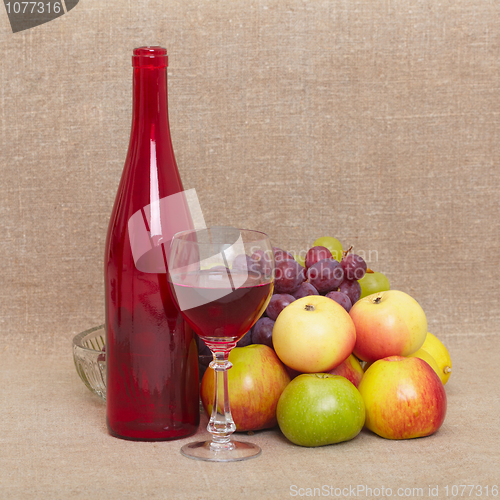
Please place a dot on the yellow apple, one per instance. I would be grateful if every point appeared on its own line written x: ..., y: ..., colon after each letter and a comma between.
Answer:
x: 404, y: 398
x: 313, y: 334
x: 389, y: 323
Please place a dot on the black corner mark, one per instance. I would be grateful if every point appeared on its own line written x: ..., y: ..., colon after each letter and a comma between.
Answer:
x: 70, y: 4
x: 25, y: 14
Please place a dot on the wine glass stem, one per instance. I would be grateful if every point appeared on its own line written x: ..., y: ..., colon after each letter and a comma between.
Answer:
x: 221, y: 424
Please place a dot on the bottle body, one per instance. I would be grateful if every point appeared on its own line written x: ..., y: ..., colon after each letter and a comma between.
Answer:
x: 152, y: 390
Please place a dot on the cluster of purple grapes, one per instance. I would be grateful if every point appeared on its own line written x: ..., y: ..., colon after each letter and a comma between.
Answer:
x: 322, y: 275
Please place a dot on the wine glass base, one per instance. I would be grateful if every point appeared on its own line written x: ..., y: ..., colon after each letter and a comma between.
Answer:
x: 202, y: 450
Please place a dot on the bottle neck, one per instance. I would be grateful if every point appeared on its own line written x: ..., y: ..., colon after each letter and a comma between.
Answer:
x: 150, y: 104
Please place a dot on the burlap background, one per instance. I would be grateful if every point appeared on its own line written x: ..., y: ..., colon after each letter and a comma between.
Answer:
x: 375, y: 121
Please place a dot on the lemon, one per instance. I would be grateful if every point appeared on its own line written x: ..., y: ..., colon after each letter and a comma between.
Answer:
x: 439, y: 352
x: 424, y: 355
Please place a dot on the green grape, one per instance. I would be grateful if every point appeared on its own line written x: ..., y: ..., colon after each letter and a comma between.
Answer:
x: 373, y: 282
x: 333, y: 244
x: 300, y: 259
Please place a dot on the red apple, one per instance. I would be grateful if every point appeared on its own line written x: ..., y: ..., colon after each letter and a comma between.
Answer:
x: 313, y: 334
x: 404, y: 398
x: 350, y: 369
x: 389, y: 323
x: 255, y: 382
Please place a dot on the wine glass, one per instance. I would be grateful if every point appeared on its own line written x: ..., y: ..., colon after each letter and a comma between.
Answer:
x: 221, y: 280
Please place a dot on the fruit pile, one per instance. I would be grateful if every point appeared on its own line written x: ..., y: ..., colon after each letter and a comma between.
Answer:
x: 325, y: 270
x: 337, y: 350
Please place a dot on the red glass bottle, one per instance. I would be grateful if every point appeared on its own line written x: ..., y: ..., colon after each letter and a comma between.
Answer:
x: 152, y: 390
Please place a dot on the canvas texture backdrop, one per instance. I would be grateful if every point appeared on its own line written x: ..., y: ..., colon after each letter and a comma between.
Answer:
x: 373, y: 121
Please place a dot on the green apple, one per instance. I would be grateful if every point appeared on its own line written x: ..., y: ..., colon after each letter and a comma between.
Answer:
x: 388, y: 323
x: 373, y: 282
x: 317, y: 409
x: 313, y: 334
x: 255, y: 383
x: 404, y: 398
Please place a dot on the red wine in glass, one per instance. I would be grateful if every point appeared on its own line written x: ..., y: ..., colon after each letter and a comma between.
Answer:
x: 225, y: 314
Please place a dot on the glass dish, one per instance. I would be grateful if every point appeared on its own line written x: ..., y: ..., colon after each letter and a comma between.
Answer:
x: 90, y: 359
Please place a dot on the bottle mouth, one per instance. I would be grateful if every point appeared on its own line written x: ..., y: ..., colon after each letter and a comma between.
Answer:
x: 150, y: 57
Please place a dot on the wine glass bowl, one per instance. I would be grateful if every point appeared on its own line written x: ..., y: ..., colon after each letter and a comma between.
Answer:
x: 221, y: 279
